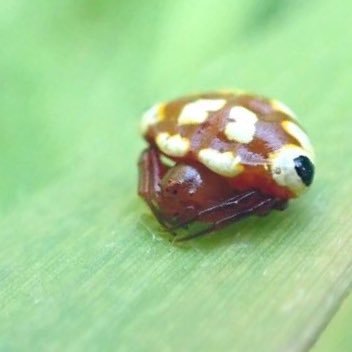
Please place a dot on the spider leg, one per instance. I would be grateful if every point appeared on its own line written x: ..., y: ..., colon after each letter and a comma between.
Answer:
x: 259, y: 208
x: 223, y: 205
x: 151, y: 170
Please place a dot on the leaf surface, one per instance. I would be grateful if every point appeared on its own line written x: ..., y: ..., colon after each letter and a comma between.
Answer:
x: 83, y: 264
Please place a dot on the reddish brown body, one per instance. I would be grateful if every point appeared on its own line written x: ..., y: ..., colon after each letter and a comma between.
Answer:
x: 232, y: 158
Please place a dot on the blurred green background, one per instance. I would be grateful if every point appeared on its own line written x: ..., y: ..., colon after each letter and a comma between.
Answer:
x: 82, y: 264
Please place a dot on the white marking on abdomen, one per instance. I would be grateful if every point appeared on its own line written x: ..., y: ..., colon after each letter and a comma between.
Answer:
x: 151, y: 117
x: 197, y: 112
x: 173, y: 145
x: 296, y: 132
x: 241, y: 127
x: 225, y: 164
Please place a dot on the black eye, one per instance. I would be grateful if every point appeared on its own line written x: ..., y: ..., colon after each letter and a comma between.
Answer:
x: 305, y: 169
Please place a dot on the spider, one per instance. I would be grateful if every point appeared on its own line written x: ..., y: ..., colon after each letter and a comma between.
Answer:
x: 217, y: 158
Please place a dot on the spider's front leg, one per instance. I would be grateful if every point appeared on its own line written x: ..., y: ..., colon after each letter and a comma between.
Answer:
x: 231, y: 210
x: 151, y: 171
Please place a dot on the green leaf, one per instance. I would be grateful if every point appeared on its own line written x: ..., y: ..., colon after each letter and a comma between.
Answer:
x: 83, y: 264
x: 337, y: 336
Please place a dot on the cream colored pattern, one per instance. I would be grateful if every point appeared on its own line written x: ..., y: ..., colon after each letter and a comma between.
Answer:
x: 197, y: 112
x: 241, y: 127
x: 283, y: 170
x: 172, y: 145
x: 225, y: 164
x: 279, y: 106
x: 296, y: 132
x: 151, y: 117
